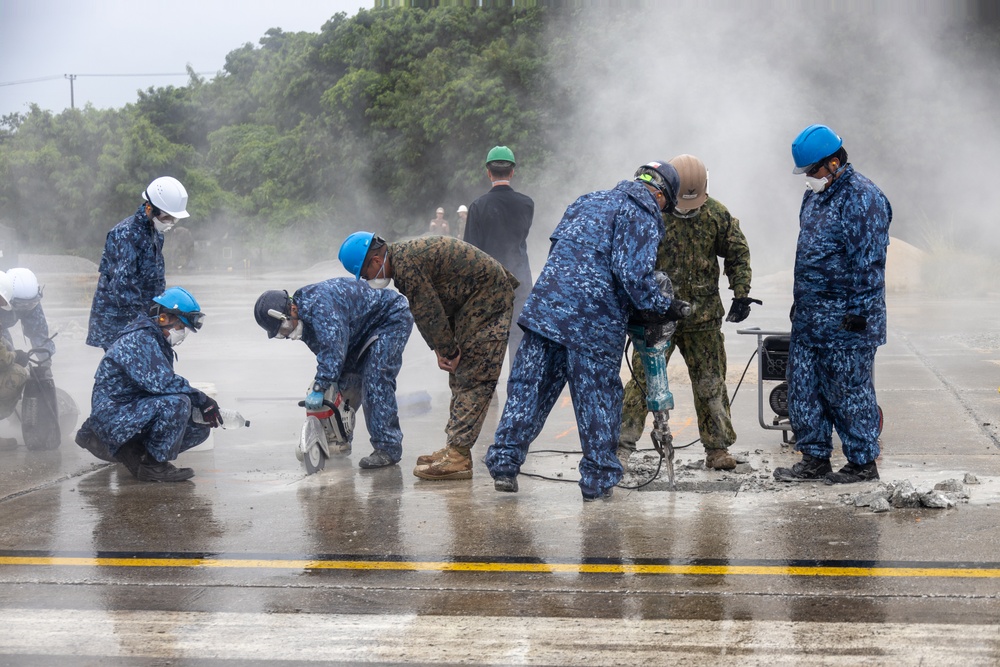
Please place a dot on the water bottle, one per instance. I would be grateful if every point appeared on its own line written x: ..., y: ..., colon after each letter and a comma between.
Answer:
x: 230, y: 418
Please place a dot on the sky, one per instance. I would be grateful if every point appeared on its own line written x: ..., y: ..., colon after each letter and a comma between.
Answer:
x: 51, y: 38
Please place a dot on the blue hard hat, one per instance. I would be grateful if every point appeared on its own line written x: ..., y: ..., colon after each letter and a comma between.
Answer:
x: 812, y: 145
x: 178, y: 301
x: 353, y: 251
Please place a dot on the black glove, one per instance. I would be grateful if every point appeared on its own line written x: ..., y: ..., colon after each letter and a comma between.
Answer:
x: 678, y: 310
x: 791, y: 313
x: 21, y: 358
x: 740, y: 310
x: 210, y: 412
x: 854, y: 323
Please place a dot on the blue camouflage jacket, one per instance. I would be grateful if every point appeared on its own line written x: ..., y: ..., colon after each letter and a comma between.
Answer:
x: 599, y: 269
x: 840, y: 263
x: 131, y: 274
x: 341, y: 316
x: 33, y: 325
x: 139, y: 364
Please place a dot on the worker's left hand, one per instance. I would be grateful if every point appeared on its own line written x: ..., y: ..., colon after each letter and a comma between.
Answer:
x: 21, y: 358
x: 740, y: 310
x: 446, y: 364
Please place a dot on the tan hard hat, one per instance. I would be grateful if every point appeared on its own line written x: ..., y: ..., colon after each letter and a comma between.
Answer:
x: 694, y: 182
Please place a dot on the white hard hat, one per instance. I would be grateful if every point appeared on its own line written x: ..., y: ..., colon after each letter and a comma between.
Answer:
x: 167, y: 194
x: 25, y: 283
x: 6, y: 290
x: 462, y: 209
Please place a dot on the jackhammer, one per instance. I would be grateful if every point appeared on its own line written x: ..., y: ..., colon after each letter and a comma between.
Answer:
x: 650, y: 333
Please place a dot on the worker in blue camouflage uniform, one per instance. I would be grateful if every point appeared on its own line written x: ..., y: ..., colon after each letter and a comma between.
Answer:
x: 838, y: 312
x: 357, y: 334
x: 131, y: 271
x: 142, y: 413
x: 461, y: 300
x: 599, y: 271
x: 698, y: 231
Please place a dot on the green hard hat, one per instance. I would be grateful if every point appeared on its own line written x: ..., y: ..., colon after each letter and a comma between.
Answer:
x: 500, y: 154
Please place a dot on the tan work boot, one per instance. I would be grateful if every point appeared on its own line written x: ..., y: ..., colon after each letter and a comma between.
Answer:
x: 453, y: 465
x: 719, y: 459
x: 427, y: 459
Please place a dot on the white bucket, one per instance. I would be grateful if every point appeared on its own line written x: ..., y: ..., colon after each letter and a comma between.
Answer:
x: 210, y: 391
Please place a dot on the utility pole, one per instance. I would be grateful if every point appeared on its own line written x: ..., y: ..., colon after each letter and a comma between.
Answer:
x: 72, y: 78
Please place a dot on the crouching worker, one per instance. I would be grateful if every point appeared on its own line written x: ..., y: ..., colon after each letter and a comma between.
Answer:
x: 357, y: 334
x: 142, y: 413
x: 13, y: 364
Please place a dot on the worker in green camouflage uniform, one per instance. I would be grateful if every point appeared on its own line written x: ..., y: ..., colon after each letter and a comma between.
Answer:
x: 462, y: 301
x: 699, y: 230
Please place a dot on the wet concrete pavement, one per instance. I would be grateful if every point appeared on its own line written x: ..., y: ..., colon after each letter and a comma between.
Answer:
x: 253, y: 561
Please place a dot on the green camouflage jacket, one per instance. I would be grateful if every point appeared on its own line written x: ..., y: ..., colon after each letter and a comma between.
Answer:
x: 689, y: 254
x: 457, y: 292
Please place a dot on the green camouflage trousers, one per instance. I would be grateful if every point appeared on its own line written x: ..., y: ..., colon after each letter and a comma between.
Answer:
x: 705, y: 356
x: 472, y: 386
x: 11, y: 385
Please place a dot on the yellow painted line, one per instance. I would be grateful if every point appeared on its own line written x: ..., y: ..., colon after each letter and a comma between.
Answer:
x: 485, y: 566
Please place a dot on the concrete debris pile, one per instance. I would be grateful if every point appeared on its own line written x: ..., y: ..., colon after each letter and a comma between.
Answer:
x: 901, y: 494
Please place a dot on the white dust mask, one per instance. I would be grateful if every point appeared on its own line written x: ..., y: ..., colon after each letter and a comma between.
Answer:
x: 163, y: 226
x: 817, y: 184
x: 176, y: 336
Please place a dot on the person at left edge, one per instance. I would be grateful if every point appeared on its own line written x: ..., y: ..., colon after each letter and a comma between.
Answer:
x: 357, y: 334
x: 143, y: 414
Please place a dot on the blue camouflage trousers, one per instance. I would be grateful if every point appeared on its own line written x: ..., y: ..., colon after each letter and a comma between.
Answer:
x: 371, y: 381
x: 163, y: 422
x: 833, y: 388
x: 540, y: 370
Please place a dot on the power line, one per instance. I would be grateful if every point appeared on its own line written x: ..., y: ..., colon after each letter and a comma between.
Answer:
x: 60, y: 76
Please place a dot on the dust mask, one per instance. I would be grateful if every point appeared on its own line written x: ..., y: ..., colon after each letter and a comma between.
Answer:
x: 296, y: 333
x: 176, y: 336
x: 162, y: 226
x: 817, y: 184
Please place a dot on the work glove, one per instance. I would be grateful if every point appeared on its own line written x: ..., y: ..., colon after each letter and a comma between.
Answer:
x: 854, y: 323
x: 678, y: 310
x: 314, y: 400
x: 791, y: 313
x: 21, y: 358
x: 210, y: 412
x: 740, y: 310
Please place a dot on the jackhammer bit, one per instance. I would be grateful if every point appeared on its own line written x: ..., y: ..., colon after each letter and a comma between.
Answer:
x: 663, y: 441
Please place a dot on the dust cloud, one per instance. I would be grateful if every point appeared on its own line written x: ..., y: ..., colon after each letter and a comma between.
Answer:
x: 904, y: 84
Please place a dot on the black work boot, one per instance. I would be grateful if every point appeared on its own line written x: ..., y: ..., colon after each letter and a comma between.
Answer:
x: 377, y: 459
x: 151, y: 470
x: 505, y: 483
x: 809, y: 469
x: 88, y: 440
x: 852, y: 473
x: 129, y: 454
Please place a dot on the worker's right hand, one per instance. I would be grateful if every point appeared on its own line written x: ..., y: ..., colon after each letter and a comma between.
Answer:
x: 314, y: 400
x: 21, y: 358
x: 210, y: 412
x: 678, y: 310
x: 449, y: 364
